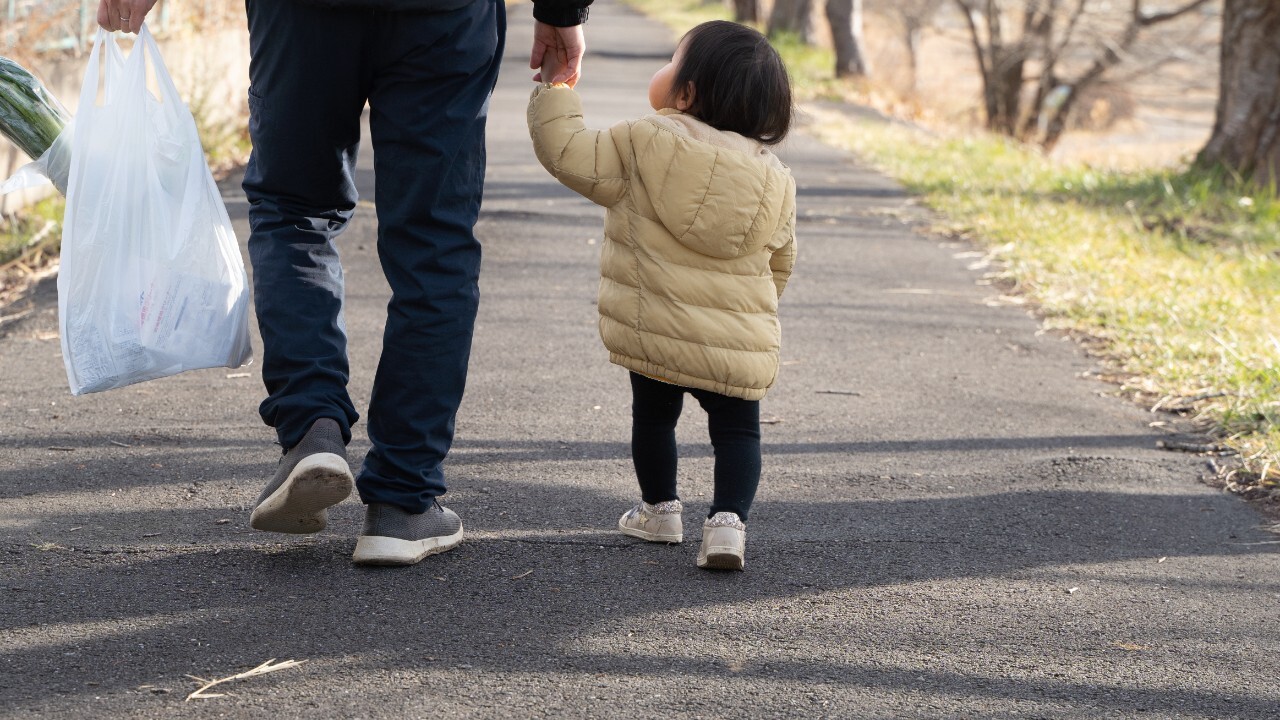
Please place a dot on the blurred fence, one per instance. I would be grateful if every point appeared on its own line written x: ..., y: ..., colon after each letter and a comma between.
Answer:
x: 29, y: 27
x: 34, y: 26
x: 51, y: 37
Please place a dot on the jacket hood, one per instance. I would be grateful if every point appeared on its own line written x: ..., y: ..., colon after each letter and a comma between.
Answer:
x: 718, y: 193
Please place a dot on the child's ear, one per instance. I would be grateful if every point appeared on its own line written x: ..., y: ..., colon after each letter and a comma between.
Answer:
x: 684, y: 100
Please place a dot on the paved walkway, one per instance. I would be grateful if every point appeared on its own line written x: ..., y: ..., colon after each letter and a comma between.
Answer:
x: 953, y: 522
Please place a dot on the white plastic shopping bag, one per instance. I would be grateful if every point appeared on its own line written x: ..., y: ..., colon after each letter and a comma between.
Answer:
x: 151, y: 280
x: 52, y: 166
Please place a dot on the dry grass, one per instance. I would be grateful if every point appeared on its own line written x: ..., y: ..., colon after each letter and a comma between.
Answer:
x: 269, y: 666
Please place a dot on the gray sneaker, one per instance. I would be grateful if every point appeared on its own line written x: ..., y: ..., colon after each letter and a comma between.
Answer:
x: 311, y: 476
x: 395, y: 536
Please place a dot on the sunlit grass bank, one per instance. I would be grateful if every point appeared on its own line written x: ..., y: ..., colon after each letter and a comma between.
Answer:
x: 1175, y: 273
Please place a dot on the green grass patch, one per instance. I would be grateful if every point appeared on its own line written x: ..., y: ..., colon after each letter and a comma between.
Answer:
x: 29, y: 232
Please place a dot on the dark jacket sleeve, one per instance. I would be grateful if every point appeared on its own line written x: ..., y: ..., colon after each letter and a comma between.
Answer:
x: 561, y: 13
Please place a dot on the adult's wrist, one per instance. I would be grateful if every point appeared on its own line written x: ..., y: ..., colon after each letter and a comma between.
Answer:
x: 559, y: 14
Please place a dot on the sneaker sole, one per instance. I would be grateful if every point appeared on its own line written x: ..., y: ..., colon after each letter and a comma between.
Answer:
x: 723, y: 548
x: 298, y: 506
x: 381, y: 550
x: 721, y: 559
x: 650, y: 537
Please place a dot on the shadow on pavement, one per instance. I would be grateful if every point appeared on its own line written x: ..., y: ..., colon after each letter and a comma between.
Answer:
x: 544, y: 574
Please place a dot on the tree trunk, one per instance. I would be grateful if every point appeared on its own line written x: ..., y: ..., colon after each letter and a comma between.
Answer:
x: 746, y: 11
x: 792, y: 16
x: 1001, y: 67
x: 1247, y: 123
x: 845, y: 19
x: 1006, y: 90
x: 912, y: 39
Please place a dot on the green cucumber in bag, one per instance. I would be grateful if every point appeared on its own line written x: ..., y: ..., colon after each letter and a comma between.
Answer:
x: 30, y: 115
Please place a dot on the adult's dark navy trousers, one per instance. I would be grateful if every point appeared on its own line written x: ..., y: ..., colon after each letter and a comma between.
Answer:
x: 427, y: 78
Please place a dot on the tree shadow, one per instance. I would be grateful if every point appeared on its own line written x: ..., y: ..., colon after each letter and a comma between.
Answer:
x: 544, y: 579
x: 205, y: 458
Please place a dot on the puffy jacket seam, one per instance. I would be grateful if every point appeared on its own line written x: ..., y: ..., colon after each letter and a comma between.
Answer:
x: 636, y: 273
x: 666, y: 173
x: 755, y: 219
x: 682, y: 303
x: 699, y: 343
x: 559, y: 163
x: 703, y: 270
x: 702, y: 202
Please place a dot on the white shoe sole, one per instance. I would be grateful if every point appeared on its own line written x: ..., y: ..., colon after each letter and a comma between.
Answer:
x: 722, y: 549
x: 298, y: 505
x: 380, y: 550
x: 651, y: 537
x: 721, y: 559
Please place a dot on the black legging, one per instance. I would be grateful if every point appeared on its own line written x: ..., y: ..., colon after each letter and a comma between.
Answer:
x: 734, y: 426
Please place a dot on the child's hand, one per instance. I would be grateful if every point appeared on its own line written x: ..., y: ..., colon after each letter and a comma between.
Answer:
x: 557, y: 53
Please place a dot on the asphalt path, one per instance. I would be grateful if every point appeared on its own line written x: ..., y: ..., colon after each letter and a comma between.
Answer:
x: 956, y: 520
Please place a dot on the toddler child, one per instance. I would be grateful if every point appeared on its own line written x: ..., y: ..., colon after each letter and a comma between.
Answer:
x: 699, y: 243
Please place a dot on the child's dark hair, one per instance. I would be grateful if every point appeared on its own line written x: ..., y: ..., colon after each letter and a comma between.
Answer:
x: 739, y: 81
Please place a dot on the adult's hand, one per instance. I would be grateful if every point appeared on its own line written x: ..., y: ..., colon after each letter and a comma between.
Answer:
x: 557, y: 53
x: 124, y: 15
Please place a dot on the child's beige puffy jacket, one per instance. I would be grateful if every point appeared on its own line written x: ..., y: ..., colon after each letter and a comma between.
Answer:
x: 699, y: 241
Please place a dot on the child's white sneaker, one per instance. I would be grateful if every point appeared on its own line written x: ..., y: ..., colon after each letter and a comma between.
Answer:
x: 724, y: 542
x: 655, y: 523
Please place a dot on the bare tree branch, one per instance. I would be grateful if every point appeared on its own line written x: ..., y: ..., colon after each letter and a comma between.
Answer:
x: 1056, y: 52
x: 1149, y: 20
x: 975, y: 36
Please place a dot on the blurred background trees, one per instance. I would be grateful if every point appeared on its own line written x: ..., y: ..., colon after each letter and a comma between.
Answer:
x: 1028, y: 92
x: 1042, y: 69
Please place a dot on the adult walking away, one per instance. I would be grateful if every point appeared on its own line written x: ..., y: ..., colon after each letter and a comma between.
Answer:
x: 426, y: 69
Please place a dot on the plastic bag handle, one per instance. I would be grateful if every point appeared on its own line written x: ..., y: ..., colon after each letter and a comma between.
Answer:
x: 152, y: 50
x: 116, y: 65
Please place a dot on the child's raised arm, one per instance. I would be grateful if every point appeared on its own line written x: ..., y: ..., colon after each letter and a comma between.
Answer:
x: 586, y: 161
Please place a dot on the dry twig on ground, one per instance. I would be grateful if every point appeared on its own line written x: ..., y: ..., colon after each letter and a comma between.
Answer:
x: 262, y: 669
